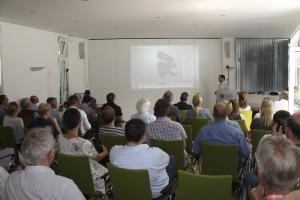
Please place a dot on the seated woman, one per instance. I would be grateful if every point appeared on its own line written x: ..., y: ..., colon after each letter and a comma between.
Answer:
x: 45, y: 120
x: 142, y: 107
x: 198, y: 111
x: 70, y: 143
x: 229, y: 109
x: 235, y: 113
x: 265, y: 117
x: 243, y: 101
x: 12, y: 120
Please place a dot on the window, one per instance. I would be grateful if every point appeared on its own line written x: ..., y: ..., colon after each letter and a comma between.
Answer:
x: 262, y: 64
x: 63, y: 67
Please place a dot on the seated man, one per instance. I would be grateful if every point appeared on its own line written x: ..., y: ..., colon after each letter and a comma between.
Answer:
x: 93, y: 103
x: 137, y: 155
x: 173, y: 111
x: 85, y: 106
x: 278, y: 162
x: 3, y: 104
x: 111, y: 97
x: 109, y: 118
x: 34, y: 102
x: 182, y: 105
x: 220, y: 132
x: 26, y: 109
x: 55, y: 113
x: 37, y: 180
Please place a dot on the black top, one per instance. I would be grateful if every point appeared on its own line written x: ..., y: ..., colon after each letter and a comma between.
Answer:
x: 93, y: 104
x: 40, y: 122
x: 258, y: 125
x: 183, y: 106
x: 174, y: 111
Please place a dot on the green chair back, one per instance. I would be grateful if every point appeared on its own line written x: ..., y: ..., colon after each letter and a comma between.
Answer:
x: 248, y: 117
x: 188, y: 141
x: 242, y: 125
x: 196, y: 124
x: 7, y: 138
x: 109, y: 140
x: 137, y: 188
x: 194, y: 187
x: 219, y: 159
x: 172, y: 148
x: 256, y: 136
x: 173, y: 118
x: 27, y: 122
x: 77, y: 168
x: 183, y: 114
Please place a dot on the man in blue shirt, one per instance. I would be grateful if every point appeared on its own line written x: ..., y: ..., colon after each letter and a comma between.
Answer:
x: 220, y: 132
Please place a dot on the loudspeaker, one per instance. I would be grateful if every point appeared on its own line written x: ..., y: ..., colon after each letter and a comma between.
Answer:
x: 227, y: 49
x: 81, y: 50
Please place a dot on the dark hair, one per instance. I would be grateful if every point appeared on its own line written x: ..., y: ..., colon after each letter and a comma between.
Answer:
x: 294, y: 126
x: 87, y: 92
x: 2, y: 97
x: 72, y: 99
x: 34, y: 99
x: 168, y: 95
x: 184, y: 96
x: 222, y: 76
x: 220, y: 111
x: 12, y: 108
x: 110, y: 97
x: 86, y: 99
x: 108, y: 114
x: 280, y: 118
x: 243, y: 102
x: 135, y: 129
x: 50, y: 99
x: 71, y: 118
x: 162, y: 108
x: 235, y: 109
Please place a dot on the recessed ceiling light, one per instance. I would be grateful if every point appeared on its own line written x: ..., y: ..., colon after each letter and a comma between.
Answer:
x: 32, y: 11
x: 222, y: 15
x: 115, y: 27
x: 157, y: 17
x: 75, y: 21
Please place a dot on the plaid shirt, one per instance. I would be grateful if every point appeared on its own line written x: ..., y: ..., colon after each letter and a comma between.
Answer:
x: 165, y: 129
x: 274, y: 197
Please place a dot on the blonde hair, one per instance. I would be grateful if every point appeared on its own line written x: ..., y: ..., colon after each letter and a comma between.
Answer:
x: 143, y: 105
x: 43, y: 108
x: 229, y: 107
x: 197, y: 101
x: 266, y: 111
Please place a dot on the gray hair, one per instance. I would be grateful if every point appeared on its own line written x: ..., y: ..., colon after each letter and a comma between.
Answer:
x: 143, y: 105
x: 279, y: 162
x: 168, y: 95
x: 37, y: 145
x: 24, y: 103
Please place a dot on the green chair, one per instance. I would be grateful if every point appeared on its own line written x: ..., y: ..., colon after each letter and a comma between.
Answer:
x: 109, y: 140
x: 256, y: 136
x: 219, y: 159
x: 196, y: 124
x: 242, y: 125
x: 194, y: 187
x: 183, y: 114
x: 188, y: 141
x: 7, y: 140
x: 174, y: 148
x: 138, y: 187
x: 248, y: 117
x: 77, y: 168
x: 27, y: 122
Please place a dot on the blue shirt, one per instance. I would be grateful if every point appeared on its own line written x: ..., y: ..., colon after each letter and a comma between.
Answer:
x: 204, y: 113
x: 220, y: 132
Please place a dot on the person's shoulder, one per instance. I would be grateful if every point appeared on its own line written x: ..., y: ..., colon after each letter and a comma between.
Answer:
x: 116, y: 149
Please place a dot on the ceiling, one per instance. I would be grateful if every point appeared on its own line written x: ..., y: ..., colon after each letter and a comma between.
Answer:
x: 100, y: 19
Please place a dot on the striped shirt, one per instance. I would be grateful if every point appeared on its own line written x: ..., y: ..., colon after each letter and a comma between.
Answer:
x: 112, y: 131
x: 3, y: 177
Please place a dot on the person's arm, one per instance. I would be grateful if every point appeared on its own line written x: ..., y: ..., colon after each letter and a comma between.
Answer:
x: 162, y: 159
x: 55, y: 125
x: 86, y: 123
x: 101, y: 155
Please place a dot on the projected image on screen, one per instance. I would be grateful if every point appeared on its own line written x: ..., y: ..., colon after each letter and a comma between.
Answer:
x: 163, y: 66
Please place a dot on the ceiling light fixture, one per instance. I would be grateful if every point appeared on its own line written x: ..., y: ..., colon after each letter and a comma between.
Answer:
x: 157, y: 17
x: 32, y: 11
x: 75, y: 21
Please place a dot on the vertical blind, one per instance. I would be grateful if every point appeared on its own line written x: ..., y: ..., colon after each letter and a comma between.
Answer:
x: 262, y: 64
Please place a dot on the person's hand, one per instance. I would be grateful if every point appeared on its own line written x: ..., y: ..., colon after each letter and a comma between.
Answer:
x: 104, y: 150
x: 258, y: 192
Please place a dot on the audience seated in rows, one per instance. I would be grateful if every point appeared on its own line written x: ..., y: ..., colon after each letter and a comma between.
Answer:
x: 70, y: 143
x: 282, y: 103
x: 164, y: 128
x: 44, y: 120
x: 26, y: 109
x: 243, y: 101
x: 221, y: 132
x: 198, y: 111
x: 109, y: 117
x: 12, y: 120
x: 3, y: 104
x: 278, y: 162
x: 263, y: 119
x: 84, y: 122
x: 55, y: 113
x: 182, y: 104
x: 110, y: 98
x: 137, y: 155
x: 142, y: 107
x: 34, y: 102
x: 85, y: 106
x: 38, y: 180
x: 93, y: 103
x: 174, y: 111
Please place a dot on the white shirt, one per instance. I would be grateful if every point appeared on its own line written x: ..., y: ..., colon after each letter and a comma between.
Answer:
x: 3, y: 177
x: 144, y: 157
x: 85, y: 124
x: 282, y: 104
x: 40, y: 183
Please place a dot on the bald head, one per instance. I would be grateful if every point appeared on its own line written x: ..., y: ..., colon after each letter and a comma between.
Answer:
x: 293, y: 124
x: 220, y: 111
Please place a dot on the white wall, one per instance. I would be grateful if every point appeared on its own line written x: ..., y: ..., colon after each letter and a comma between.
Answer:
x: 229, y: 61
x: 24, y: 47
x: 109, y: 70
